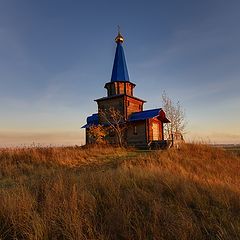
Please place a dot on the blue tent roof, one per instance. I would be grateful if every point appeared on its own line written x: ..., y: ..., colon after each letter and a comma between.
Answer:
x: 119, y: 72
x: 91, y: 120
x: 152, y: 113
x: 144, y: 114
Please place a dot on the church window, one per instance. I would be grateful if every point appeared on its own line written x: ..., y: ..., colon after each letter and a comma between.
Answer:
x: 135, y: 130
x: 112, y: 89
x: 118, y: 88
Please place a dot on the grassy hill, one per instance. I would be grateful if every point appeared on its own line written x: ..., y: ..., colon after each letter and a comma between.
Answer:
x: 110, y: 193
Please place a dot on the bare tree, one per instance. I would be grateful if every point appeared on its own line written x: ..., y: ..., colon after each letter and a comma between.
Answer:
x: 176, y: 116
x: 115, y: 121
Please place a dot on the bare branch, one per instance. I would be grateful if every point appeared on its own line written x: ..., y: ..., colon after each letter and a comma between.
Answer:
x: 116, y: 122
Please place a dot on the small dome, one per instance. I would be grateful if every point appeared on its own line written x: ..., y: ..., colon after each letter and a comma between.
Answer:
x: 119, y: 38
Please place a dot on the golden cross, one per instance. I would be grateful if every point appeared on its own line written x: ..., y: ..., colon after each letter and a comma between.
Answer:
x: 118, y: 28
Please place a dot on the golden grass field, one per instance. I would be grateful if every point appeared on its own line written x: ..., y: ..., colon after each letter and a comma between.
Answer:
x: 111, y: 193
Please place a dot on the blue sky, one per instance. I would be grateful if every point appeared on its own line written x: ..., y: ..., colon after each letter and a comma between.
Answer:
x: 56, y: 56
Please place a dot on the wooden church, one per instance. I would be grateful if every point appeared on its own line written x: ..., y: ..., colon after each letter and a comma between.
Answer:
x: 141, y: 127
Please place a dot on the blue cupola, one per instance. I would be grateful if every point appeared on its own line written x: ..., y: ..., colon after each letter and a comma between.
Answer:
x: 119, y: 72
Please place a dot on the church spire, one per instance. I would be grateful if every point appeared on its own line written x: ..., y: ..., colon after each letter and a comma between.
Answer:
x: 119, y: 72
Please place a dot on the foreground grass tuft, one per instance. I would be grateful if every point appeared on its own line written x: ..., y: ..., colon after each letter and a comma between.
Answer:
x: 110, y: 193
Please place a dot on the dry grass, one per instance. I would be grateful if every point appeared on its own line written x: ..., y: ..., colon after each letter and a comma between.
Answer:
x: 109, y: 193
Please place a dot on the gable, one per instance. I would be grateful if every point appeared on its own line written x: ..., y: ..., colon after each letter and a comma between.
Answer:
x: 152, y: 113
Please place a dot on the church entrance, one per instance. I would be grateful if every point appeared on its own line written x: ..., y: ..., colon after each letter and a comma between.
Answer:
x: 155, y: 128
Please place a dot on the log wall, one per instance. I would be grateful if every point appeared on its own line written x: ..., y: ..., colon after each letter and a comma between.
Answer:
x: 136, y: 133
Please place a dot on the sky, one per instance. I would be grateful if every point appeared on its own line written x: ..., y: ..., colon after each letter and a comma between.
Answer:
x: 57, y: 55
